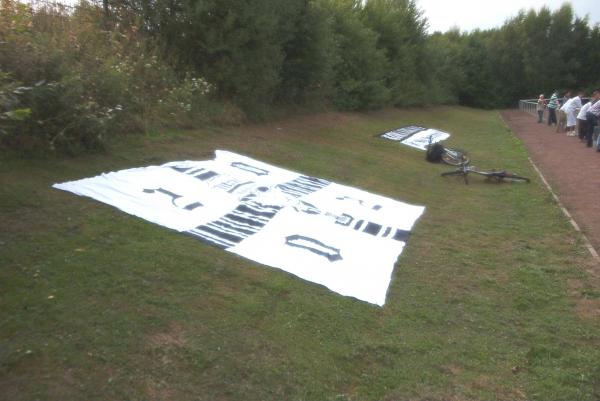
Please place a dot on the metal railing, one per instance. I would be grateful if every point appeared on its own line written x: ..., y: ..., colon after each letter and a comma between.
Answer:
x: 528, y: 106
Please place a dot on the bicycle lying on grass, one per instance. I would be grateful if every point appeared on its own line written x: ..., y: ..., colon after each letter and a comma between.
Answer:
x: 493, y: 175
x: 455, y: 157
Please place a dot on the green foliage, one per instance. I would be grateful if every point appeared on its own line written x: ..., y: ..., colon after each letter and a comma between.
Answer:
x: 360, y: 72
x: 18, y: 114
x: 445, y: 62
x: 85, y: 75
x: 259, y: 53
x: 10, y: 93
x: 186, y: 105
x: 80, y: 85
x: 532, y: 53
x: 480, y: 85
x: 307, y: 72
x: 401, y: 35
x: 236, y: 45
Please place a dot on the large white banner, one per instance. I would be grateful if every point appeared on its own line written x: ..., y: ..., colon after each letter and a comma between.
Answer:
x: 341, y: 237
x: 415, y: 136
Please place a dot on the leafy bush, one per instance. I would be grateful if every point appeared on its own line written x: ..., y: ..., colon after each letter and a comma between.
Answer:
x: 68, y: 85
x: 11, y: 110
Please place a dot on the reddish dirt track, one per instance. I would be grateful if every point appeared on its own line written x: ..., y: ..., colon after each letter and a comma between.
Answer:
x: 571, y: 168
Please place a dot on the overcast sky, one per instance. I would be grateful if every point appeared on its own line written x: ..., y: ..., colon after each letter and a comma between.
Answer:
x: 483, y: 14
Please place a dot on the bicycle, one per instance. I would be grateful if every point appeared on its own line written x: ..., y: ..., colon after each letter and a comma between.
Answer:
x: 495, y: 175
x: 451, y: 156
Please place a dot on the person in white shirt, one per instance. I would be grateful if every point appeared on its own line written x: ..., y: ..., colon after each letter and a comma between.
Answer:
x: 570, y: 109
x: 582, y: 120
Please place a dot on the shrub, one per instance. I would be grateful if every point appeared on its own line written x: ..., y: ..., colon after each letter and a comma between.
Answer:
x: 68, y: 85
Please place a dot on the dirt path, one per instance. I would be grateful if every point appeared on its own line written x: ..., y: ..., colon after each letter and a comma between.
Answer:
x: 572, y: 169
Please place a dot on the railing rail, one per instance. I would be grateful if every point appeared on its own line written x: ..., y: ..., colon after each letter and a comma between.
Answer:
x: 530, y: 105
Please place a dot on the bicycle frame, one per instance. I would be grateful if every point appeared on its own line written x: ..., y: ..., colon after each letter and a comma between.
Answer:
x: 464, y: 169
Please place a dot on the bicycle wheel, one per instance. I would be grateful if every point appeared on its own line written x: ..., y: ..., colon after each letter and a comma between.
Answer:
x: 464, y: 172
x: 501, y: 176
x: 455, y: 157
x: 513, y: 177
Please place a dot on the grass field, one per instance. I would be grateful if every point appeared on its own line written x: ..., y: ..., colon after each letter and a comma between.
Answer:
x: 492, y: 299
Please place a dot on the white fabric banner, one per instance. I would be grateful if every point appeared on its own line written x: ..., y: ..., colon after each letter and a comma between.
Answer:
x: 341, y: 237
x: 415, y: 136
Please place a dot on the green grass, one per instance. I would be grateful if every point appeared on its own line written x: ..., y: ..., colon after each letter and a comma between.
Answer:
x: 492, y: 298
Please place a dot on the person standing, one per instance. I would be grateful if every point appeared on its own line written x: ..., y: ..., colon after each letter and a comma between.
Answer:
x: 541, y: 105
x: 562, y: 115
x: 552, y: 104
x: 592, y: 116
x: 582, y: 120
x: 570, y: 109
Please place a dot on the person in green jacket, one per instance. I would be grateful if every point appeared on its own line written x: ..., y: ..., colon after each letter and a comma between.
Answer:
x: 552, y: 105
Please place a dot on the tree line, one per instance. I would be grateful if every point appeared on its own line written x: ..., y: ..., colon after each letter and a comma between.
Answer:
x: 71, y: 79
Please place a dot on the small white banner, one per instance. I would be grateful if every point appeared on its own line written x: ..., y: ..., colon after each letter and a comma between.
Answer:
x: 341, y: 237
x: 415, y: 136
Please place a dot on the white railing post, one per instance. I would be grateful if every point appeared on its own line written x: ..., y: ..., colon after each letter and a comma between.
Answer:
x: 528, y: 106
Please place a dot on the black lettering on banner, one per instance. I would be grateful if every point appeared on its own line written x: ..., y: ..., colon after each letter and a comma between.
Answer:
x: 250, y: 169
x: 302, y: 186
x: 308, y: 208
x: 233, y: 185
x: 200, y: 173
x: 206, y: 176
x: 240, y: 185
x: 374, y: 229
x: 193, y: 206
x: 403, y: 133
x: 173, y: 197
x: 358, y: 224
x: 305, y: 207
x: 360, y: 202
x: 344, y: 219
x: 367, y: 227
x: 315, y: 246
x: 401, y: 235
x: 180, y: 169
x: 425, y: 140
x: 246, y: 219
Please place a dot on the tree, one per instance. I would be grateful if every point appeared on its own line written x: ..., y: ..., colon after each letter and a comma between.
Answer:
x: 447, y: 71
x: 401, y: 36
x: 307, y: 71
x: 359, y: 74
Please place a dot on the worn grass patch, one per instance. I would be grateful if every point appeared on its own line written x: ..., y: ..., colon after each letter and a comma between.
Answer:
x: 492, y: 298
